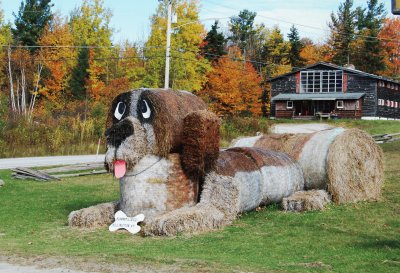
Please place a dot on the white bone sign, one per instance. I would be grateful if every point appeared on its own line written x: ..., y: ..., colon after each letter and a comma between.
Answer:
x: 125, y: 222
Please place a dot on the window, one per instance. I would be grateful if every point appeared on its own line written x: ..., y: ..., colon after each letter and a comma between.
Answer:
x: 396, y: 104
x: 387, y: 102
x: 321, y: 81
x: 357, y: 104
x: 391, y: 103
x: 339, y: 104
x: 289, y: 104
x: 381, y: 102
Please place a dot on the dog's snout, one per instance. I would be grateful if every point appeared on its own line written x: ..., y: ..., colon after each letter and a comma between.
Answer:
x: 117, y: 133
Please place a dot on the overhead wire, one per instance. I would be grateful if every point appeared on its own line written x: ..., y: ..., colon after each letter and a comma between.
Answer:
x: 308, y: 26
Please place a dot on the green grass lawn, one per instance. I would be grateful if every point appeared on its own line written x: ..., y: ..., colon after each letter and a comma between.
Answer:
x: 362, y: 237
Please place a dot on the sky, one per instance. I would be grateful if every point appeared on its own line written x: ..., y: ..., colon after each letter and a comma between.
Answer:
x: 131, y: 18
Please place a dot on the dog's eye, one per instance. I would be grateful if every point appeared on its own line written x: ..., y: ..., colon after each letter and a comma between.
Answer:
x: 119, y: 110
x: 145, y: 109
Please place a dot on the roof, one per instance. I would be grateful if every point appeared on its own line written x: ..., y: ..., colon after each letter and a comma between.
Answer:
x: 334, y: 66
x: 319, y: 96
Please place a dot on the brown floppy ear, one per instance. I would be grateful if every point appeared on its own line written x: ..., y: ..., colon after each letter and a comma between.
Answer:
x: 200, y: 143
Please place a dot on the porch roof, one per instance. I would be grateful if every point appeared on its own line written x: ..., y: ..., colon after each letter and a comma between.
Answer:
x: 319, y: 96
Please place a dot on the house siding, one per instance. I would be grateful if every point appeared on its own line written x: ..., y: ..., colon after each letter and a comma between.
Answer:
x: 353, y: 82
x: 282, y: 85
x: 360, y: 84
x: 386, y: 93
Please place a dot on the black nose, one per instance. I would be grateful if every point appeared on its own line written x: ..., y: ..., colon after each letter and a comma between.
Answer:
x: 119, y: 132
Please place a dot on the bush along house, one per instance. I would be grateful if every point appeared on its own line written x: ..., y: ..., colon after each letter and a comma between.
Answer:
x: 328, y: 90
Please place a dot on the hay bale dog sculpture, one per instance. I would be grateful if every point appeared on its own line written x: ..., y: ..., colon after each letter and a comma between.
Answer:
x: 164, y: 145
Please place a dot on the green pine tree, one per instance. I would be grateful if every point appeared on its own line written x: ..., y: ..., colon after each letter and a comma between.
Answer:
x: 370, y: 52
x: 214, y: 44
x: 242, y: 29
x: 295, y: 47
x: 80, y: 75
x: 33, y: 15
x: 342, y: 27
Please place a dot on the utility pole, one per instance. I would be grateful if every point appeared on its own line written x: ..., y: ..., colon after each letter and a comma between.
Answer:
x: 168, y: 47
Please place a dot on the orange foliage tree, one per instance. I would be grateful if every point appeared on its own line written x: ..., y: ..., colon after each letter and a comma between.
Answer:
x: 390, y: 39
x: 312, y: 54
x: 233, y: 88
x: 58, y: 57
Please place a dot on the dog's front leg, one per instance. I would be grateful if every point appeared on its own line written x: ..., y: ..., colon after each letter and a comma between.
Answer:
x: 219, y: 206
x: 94, y: 216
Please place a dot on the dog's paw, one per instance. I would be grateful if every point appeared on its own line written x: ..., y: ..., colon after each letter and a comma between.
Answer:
x: 95, y: 216
x: 186, y: 220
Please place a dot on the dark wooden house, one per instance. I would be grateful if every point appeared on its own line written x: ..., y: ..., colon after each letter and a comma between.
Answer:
x: 328, y: 90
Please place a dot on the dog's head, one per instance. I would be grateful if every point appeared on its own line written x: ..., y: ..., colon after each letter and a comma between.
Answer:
x: 149, y: 121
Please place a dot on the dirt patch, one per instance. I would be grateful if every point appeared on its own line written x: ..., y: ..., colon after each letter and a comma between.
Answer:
x: 46, y: 264
x: 299, y: 128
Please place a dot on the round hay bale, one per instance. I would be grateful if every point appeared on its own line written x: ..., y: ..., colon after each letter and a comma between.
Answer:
x: 354, y: 167
x: 347, y: 163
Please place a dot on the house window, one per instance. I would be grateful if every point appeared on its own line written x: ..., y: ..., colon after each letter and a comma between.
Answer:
x: 396, y: 104
x: 381, y: 102
x: 321, y: 81
x: 339, y: 104
x: 391, y: 103
x: 289, y: 104
x: 387, y: 102
x: 357, y: 104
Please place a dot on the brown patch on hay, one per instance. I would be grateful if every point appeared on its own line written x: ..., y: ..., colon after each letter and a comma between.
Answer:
x: 219, y: 206
x: 94, y: 216
x: 306, y: 201
x: 181, y: 190
x: 200, y: 141
x: 292, y: 144
x: 170, y: 108
x: 354, y: 167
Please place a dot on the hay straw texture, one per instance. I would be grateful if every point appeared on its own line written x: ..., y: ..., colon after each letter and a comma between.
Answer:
x: 306, y: 201
x: 94, y: 216
x: 170, y: 108
x: 347, y: 163
x: 355, y: 166
x: 200, y: 142
x: 244, y: 178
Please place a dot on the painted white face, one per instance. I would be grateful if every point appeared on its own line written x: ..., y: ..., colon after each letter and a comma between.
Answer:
x: 131, y: 134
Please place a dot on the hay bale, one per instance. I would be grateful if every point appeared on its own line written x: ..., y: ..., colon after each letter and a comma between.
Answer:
x: 200, y: 141
x: 94, y: 216
x: 306, y: 201
x: 347, y: 163
x: 355, y: 167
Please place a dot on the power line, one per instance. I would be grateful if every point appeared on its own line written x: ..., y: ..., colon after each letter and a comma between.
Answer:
x: 312, y: 27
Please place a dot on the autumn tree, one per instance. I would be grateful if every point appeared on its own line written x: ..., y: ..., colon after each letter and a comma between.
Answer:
x: 58, y: 57
x: 390, y: 39
x: 33, y: 16
x: 188, y: 69
x: 213, y: 46
x: 5, y: 39
x: 90, y: 26
x: 312, y: 53
x: 131, y: 65
x: 233, y: 88
x: 276, y: 53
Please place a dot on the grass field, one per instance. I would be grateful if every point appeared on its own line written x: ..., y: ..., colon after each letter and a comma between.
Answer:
x: 362, y: 237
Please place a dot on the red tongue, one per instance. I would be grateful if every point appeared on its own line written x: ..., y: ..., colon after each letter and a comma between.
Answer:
x: 119, y: 168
